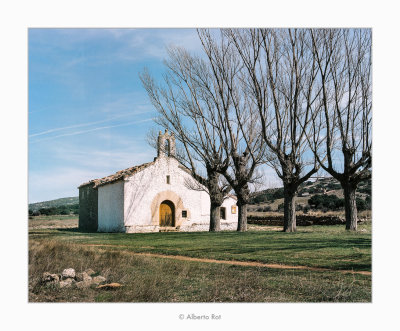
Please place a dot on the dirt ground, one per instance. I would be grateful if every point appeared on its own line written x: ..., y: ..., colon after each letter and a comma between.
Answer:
x: 49, y: 223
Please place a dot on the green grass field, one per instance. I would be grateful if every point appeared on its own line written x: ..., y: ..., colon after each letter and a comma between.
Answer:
x: 152, y: 279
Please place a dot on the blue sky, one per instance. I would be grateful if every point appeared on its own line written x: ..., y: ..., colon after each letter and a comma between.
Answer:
x: 88, y: 112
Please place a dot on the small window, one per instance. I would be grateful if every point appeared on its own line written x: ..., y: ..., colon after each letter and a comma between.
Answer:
x: 223, y: 213
x: 166, y: 147
x: 168, y: 180
x: 184, y: 213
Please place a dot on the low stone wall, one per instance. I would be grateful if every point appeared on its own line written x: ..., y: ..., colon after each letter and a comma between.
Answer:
x: 190, y: 227
x: 301, y: 220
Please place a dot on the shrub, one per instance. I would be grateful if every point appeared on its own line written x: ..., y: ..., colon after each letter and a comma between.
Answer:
x: 61, y: 210
x: 258, y: 199
x: 366, y: 190
x: 333, y: 186
x: 267, y: 208
x: 278, y: 194
x: 361, y: 204
x: 269, y: 195
x: 368, y: 201
x: 321, y: 201
x: 281, y: 207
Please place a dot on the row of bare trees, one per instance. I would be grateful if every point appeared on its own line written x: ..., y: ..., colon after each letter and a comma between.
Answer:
x: 295, y: 99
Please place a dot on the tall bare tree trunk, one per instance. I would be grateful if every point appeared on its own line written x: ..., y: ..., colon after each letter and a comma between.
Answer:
x: 350, y: 206
x: 216, y: 199
x: 289, y: 223
x: 215, y: 217
x: 345, y: 74
x: 242, y: 220
x: 242, y: 194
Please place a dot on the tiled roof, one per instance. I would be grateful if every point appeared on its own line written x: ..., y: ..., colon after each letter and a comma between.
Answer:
x: 119, y: 175
x: 232, y: 196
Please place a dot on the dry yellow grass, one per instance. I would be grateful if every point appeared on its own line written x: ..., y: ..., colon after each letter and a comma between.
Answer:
x: 152, y: 279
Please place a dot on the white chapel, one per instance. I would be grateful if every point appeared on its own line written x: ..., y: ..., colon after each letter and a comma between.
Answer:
x: 151, y: 197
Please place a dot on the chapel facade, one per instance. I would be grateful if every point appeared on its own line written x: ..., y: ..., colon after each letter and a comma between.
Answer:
x: 152, y: 197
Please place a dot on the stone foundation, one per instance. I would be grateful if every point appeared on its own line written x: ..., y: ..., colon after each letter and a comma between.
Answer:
x: 189, y: 227
x: 142, y: 228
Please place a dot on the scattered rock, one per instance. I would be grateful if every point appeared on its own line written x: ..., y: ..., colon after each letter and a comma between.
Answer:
x: 83, y: 284
x: 68, y: 273
x: 80, y: 280
x: 67, y: 283
x: 82, y: 276
x: 98, y: 279
x: 90, y: 271
x: 50, y: 278
x: 110, y: 286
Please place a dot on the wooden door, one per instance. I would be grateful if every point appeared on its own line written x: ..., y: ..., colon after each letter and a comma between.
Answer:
x: 166, y: 214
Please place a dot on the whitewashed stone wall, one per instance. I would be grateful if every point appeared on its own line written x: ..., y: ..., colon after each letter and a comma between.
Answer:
x: 142, y: 189
x: 230, y: 223
x: 132, y: 205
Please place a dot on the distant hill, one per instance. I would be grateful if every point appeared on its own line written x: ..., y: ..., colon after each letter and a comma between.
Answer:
x: 272, y: 199
x: 54, y: 203
x: 269, y: 198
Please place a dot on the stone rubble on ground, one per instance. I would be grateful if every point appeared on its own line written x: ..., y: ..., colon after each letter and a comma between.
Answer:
x: 69, y: 278
x: 83, y: 284
x: 98, y: 279
x: 68, y: 273
x: 67, y: 282
x: 82, y: 276
x: 50, y: 278
x: 90, y: 271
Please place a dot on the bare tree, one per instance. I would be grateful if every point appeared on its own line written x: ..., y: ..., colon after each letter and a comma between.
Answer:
x: 185, y: 109
x: 233, y: 117
x: 343, y: 148
x: 279, y: 76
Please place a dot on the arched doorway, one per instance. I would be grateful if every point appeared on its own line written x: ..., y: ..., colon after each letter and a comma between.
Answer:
x: 167, y: 213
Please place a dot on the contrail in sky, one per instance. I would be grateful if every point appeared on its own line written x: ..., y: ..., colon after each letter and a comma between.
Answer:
x: 79, y: 125
x: 95, y: 129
